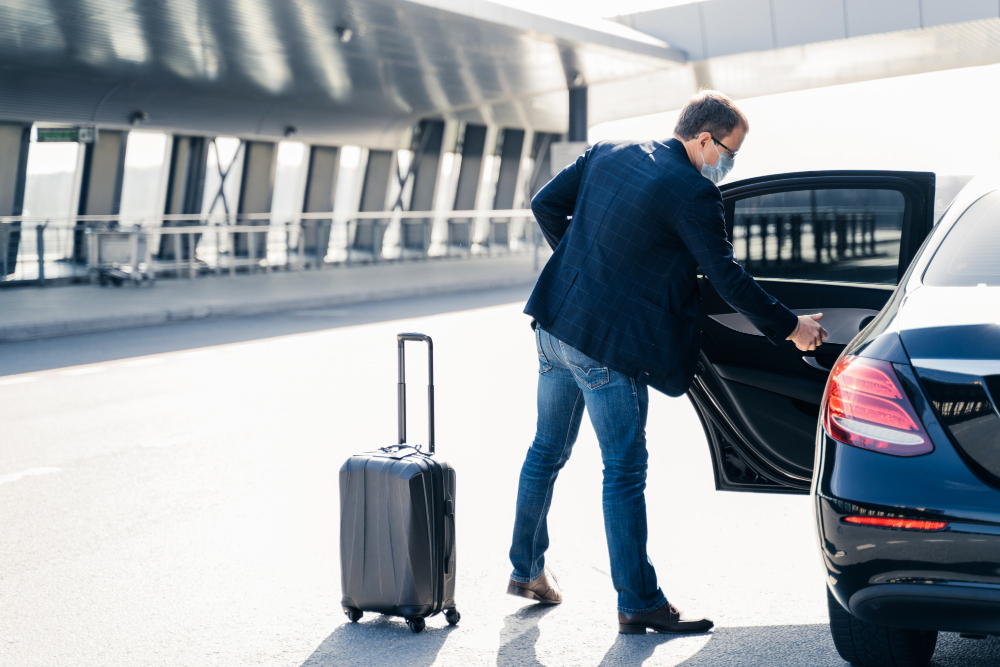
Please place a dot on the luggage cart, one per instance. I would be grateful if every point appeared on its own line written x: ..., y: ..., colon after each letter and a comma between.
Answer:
x: 116, y: 256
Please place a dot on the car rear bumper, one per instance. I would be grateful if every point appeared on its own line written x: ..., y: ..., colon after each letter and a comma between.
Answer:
x: 938, y: 606
x: 945, y: 579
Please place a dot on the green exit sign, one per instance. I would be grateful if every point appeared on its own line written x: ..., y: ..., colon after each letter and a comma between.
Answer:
x: 83, y: 135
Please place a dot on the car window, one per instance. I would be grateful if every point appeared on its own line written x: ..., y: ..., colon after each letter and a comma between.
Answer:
x: 970, y: 254
x: 842, y: 235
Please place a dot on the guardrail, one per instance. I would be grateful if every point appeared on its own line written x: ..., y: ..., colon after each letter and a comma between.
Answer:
x: 116, y: 249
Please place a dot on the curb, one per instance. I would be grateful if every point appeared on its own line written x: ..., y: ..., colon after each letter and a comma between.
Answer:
x: 23, y: 332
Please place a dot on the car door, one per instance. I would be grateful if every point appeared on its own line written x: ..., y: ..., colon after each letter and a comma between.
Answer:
x: 835, y: 242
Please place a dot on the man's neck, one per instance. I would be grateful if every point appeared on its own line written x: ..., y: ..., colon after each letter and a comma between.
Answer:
x: 689, y: 148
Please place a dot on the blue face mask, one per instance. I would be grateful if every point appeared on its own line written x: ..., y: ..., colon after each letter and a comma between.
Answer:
x: 721, y: 169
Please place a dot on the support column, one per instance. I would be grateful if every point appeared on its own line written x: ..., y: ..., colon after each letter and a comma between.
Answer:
x: 510, y: 149
x: 470, y: 175
x: 416, y: 232
x: 14, y: 142
x: 260, y: 160
x: 185, y: 191
x: 368, y: 234
x: 577, y: 114
x: 542, y: 155
x: 321, y: 188
x: 101, y: 183
x: 510, y: 165
x: 471, y: 172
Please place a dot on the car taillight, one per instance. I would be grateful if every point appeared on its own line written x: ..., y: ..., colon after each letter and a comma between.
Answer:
x: 866, y: 407
x: 886, y: 522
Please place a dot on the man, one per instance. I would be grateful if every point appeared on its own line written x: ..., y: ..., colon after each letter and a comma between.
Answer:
x: 616, y: 310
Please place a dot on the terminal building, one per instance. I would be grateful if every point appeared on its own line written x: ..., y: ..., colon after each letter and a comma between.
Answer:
x: 368, y: 130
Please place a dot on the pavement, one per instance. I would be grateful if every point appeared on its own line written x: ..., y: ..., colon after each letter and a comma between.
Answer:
x: 168, y: 496
x: 28, y: 313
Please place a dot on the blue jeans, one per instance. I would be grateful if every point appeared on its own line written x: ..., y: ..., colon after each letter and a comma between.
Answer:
x: 568, y: 381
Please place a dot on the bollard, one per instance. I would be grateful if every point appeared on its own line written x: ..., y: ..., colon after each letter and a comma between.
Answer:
x: 40, y: 249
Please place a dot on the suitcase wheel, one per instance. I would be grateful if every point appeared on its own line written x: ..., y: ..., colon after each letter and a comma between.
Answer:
x: 452, y: 616
x: 415, y: 624
x: 353, y: 614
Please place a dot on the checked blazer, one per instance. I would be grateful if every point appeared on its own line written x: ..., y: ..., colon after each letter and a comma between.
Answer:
x: 630, y: 224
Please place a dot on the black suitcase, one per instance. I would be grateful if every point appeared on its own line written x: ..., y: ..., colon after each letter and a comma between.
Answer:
x: 397, y: 523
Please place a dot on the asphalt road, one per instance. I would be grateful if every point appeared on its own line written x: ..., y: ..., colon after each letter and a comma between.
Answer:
x: 168, y: 497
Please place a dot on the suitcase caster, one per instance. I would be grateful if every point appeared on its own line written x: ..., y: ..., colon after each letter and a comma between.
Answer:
x: 415, y: 624
x: 353, y: 614
x: 452, y: 616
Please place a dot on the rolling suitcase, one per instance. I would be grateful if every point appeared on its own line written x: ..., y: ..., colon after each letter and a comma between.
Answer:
x: 397, y: 523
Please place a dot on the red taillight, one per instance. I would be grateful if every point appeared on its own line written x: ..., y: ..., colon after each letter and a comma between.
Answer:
x: 885, y: 522
x: 866, y: 407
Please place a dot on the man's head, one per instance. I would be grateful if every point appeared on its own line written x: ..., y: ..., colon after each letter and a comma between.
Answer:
x: 712, y: 130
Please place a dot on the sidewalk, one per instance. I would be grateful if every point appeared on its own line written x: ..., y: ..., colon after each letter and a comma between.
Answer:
x: 43, y: 312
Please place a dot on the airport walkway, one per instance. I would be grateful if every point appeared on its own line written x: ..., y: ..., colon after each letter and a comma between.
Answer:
x: 43, y: 312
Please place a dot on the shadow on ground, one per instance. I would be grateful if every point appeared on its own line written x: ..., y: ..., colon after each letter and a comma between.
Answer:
x: 780, y: 646
x: 46, y: 354
x: 386, y: 641
x: 519, y: 637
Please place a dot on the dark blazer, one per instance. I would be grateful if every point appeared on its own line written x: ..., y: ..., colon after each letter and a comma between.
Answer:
x: 630, y: 224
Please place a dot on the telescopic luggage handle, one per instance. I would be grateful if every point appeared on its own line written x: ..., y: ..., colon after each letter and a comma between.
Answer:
x: 401, y: 387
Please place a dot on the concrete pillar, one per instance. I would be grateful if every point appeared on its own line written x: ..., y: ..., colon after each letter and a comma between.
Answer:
x: 368, y: 234
x: 429, y: 156
x: 321, y: 187
x: 577, y: 114
x: 471, y: 172
x: 415, y: 233
x: 541, y: 153
x: 14, y: 142
x: 185, y: 191
x: 260, y: 159
x: 100, y: 183
x: 510, y: 165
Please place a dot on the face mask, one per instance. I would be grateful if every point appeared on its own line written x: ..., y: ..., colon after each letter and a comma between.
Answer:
x: 721, y: 169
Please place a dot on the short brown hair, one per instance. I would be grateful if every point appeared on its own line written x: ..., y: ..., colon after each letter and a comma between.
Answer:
x: 710, y: 111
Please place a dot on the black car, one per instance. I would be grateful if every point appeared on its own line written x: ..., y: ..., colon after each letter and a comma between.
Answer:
x: 893, y: 423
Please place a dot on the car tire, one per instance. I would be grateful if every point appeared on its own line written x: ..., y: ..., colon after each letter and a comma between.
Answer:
x: 872, y: 645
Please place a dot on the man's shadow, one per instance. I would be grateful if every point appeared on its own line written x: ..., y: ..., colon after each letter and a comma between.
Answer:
x: 520, y: 634
x: 633, y: 650
x: 383, y: 641
x: 767, y: 646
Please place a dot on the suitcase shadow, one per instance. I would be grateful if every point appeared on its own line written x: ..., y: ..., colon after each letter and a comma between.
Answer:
x: 383, y: 641
x: 520, y: 634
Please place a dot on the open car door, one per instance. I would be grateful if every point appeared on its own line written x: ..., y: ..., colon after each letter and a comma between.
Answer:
x: 833, y: 242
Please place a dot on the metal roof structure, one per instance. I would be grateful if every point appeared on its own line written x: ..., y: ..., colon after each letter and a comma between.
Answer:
x: 364, y: 71
x: 336, y: 71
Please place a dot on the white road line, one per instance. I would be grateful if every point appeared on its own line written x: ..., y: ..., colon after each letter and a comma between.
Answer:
x: 86, y: 370
x: 146, y: 361
x: 196, y: 354
x: 13, y: 477
x: 17, y: 379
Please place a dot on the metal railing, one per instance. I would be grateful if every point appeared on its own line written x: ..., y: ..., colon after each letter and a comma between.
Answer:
x: 98, y: 247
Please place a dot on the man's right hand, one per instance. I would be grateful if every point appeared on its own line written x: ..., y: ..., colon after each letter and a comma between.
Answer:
x: 808, y: 334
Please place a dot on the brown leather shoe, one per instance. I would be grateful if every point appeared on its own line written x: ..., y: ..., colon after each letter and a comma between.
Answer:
x: 540, y: 589
x: 664, y: 619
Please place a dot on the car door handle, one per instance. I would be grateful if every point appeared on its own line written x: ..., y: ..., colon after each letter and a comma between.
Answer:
x: 813, y: 362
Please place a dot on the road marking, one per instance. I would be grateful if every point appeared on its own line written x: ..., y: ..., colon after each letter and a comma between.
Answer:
x: 86, y: 370
x: 18, y: 379
x: 30, y: 472
x: 196, y: 354
x: 145, y: 361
